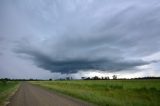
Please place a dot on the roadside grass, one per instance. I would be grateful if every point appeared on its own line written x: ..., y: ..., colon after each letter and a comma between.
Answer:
x: 109, y: 92
x: 6, y: 91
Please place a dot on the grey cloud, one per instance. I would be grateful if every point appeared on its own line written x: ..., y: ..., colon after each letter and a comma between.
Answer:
x: 74, y: 65
x: 84, y: 42
x: 68, y: 36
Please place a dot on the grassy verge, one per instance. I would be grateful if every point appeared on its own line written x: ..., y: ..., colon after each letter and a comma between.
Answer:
x: 6, y: 90
x: 110, y: 92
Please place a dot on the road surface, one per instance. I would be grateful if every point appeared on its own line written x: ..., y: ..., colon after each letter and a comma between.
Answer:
x: 31, y: 95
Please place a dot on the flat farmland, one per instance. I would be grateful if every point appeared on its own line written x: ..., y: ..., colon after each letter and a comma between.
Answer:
x: 6, y: 90
x: 109, y: 92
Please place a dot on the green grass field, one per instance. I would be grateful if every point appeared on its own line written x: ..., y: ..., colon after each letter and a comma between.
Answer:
x: 6, y: 90
x: 109, y: 92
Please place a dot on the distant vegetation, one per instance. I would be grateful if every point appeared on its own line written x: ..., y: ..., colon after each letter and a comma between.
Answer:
x: 6, y: 89
x: 109, y: 92
x: 114, y: 77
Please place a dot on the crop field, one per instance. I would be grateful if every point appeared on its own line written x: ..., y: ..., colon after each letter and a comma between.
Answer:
x: 109, y: 92
x: 6, y: 89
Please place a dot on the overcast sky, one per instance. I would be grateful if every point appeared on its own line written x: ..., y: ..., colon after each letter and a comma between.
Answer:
x: 59, y: 38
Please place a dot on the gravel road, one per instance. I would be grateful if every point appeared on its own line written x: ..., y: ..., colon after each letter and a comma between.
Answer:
x: 31, y: 95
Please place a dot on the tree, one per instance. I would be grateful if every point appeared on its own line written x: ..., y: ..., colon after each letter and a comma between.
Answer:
x: 83, y: 78
x: 67, y: 78
x: 88, y: 78
x: 114, y: 76
x: 95, y: 78
x: 106, y: 78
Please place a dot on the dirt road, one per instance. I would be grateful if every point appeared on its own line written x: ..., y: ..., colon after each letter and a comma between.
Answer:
x: 30, y: 95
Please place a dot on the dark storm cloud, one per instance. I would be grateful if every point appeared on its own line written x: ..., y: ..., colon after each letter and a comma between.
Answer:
x: 76, y: 64
x: 68, y: 36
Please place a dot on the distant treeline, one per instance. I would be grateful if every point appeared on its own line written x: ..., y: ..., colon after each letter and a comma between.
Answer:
x: 99, y: 78
x: 114, y: 77
x: 147, y: 78
x: 95, y: 78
